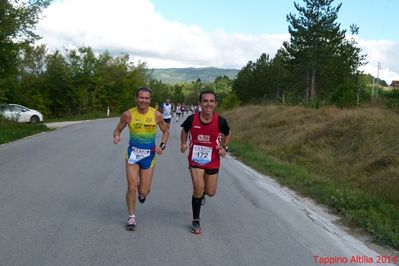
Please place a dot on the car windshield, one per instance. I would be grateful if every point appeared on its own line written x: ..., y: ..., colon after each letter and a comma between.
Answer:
x: 17, y: 108
x: 3, y: 107
x: 12, y: 108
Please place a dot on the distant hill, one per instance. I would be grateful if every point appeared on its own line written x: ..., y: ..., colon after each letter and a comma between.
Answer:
x: 178, y: 75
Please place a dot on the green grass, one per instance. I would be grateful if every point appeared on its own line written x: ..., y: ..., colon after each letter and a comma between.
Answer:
x: 344, y: 159
x: 11, y: 130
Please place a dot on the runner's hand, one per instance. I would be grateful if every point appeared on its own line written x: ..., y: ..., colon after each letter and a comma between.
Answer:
x: 222, y: 152
x: 183, y: 148
x: 117, y: 139
x: 159, y: 150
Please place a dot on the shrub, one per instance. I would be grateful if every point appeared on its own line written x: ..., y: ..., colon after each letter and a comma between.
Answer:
x: 230, y: 101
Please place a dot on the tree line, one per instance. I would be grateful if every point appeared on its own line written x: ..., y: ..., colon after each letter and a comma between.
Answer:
x: 318, y: 65
x: 79, y: 81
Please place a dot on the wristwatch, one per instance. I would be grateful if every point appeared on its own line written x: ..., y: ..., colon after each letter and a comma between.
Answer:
x: 226, y: 148
x: 162, y: 145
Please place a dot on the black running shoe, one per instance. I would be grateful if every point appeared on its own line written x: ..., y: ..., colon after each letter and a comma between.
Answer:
x: 131, y: 224
x: 195, y: 228
x: 141, y: 198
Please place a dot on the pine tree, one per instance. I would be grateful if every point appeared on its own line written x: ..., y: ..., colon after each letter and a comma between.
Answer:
x: 314, y: 44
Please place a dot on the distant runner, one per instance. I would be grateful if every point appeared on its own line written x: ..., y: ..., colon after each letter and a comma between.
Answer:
x: 178, y: 111
x: 167, y: 111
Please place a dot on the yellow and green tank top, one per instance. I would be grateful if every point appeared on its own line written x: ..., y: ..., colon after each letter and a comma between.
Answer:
x: 143, y: 129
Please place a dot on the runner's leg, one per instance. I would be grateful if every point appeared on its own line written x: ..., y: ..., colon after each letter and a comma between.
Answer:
x: 197, y: 176
x: 132, y: 172
x: 211, y: 183
x: 145, y: 181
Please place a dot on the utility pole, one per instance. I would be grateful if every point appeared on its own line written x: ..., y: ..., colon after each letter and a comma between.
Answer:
x: 374, y: 89
x: 378, y: 78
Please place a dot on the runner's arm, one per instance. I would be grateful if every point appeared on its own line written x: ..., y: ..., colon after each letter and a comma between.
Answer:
x: 186, y: 126
x: 226, y: 136
x: 183, y: 140
x: 124, y: 120
x: 226, y: 139
x: 164, y: 128
x: 225, y: 142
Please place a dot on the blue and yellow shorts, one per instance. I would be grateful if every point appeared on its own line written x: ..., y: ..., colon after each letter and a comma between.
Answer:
x: 145, y: 158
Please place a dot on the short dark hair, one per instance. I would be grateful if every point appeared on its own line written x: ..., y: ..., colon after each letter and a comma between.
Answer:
x: 143, y: 89
x: 207, y: 92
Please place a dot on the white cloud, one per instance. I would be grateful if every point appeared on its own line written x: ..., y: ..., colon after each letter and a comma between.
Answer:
x: 384, y: 52
x: 134, y: 27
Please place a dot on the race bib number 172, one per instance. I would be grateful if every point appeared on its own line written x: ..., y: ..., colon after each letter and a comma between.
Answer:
x: 201, y: 154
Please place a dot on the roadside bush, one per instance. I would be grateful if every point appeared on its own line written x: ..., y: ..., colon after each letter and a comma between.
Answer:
x: 230, y: 101
x: 392, y: 98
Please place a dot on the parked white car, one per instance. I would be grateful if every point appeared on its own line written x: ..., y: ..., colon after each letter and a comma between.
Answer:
x: 20, y: 113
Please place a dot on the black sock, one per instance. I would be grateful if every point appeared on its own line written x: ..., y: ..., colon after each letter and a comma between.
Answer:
x: 196, y: 205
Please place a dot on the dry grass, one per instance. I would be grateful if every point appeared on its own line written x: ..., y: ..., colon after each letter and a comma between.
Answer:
x: 355, y: 150
x: 356, y: 144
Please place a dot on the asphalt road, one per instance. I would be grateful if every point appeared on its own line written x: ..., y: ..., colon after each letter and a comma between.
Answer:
x: 62, y: 203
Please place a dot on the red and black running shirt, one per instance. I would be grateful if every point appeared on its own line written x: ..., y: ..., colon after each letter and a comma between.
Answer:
x: 205, y: 140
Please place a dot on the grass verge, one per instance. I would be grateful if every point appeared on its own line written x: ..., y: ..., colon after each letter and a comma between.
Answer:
x: 11, y: 130
x: 343, y: 159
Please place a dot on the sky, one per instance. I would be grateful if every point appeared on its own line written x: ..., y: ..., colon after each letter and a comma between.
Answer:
x: 205, y: 33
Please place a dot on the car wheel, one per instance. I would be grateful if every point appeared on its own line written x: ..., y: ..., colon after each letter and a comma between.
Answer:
x: 34, y: 119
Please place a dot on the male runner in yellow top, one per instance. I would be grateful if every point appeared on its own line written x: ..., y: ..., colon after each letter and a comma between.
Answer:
x: 140, y: 159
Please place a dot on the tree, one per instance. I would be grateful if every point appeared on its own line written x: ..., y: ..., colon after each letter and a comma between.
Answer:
x: 314, y: 43
x: 243, y: 83
x: 17, y: 21
x: 223, y: 87
x: 82, y: 65
x: 31, y: 90
x: 254, y: 81
x: 230, y: 101
x: 281, y: 77
x: 104, y: 83
x: 223, y: 84
x: 178, y: 96
x: 347, y: 90
x: 262, y: 86
x: 160, y: 92
x: 58, y: 85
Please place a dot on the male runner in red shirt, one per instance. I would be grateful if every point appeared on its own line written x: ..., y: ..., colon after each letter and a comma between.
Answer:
x: 209, y: 136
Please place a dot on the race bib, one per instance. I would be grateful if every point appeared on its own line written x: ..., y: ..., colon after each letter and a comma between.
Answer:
x: 138, y: 155
x: 201, y: 154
